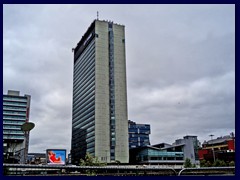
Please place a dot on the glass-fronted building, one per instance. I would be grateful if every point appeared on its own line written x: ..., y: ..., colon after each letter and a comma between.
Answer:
x: 167, y: 154
x: 99, y: 114
x: 138, y: 134
x: 15, y: 114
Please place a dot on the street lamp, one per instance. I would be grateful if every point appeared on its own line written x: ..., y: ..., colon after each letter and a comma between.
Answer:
x: 26, y: 127
x: 212, y: 147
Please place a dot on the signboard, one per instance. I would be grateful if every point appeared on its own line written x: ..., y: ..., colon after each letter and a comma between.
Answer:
x: 56, y: 156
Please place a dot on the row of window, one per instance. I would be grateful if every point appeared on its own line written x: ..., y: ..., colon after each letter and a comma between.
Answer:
x: 89, y: 94
x: 14, y: 108
x: 83, y: 77
x: 14, y: 103
x: 22, y: 99
x: 86, y: 84
x: 87, y: 125
x: 13, y: 122
x: 84, y: 120
x: 11, y: 127
x: 84, y: 112
x: 84, y: 107
x: 81, y: 104
x: 83, y: 67
x: 81, y: 73
x: 138, y: 135
x: 162, y: 158
x: 14, y: 112
x: 80, y: 93
x: 12, y: 132
x: 111, y: 92
x: 84, y: 53
x: 81, y: 61
x: 79, y: 124
x: 21, y: 137
x: 14, y: 117
x: 138, y: 126
x: 83, y: 99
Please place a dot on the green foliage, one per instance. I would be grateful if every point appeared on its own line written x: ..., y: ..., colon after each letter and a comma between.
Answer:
x: 187, y: 163
x: 219, y: 163
x: 91, y: 161
x: 208, y: 164
x: 232, y: 163
x: 203, y: 163
x: 117, y: 162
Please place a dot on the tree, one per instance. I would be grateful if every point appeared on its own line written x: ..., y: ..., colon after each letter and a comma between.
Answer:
x: 187, y: 163
x: 91, y: 161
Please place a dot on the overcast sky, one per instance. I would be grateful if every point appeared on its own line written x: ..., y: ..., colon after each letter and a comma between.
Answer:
x: 180, y: 66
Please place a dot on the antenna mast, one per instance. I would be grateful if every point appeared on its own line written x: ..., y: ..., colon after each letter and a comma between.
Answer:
x: 97, y: 15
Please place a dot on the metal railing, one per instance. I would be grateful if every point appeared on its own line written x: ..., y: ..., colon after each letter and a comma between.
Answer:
x: 113, y: 170
x: 207, y: 171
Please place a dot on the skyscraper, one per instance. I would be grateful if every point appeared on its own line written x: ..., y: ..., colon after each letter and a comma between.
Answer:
x: 99, y: 115
x: 15, y: 114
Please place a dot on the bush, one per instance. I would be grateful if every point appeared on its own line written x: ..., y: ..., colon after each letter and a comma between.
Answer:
x: 219, y: 163
x: 187, y: 163
x: 232, y: 163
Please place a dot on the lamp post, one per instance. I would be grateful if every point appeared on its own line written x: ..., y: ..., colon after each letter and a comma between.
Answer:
x: 211, y: 135
x: 26, y: 128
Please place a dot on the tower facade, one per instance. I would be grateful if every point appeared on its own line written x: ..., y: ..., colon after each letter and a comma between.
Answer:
x: 16, y: 110
x: 99, y: 116
x: 138, y: 134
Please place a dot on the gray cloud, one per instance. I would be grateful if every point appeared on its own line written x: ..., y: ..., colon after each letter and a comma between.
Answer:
x: 180, y: 66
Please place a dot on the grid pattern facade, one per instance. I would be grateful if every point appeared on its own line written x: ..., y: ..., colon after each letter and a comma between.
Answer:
x: 15, y: 114
x: 138, y: 134
x: 84, y: 102
x: 99, y: 117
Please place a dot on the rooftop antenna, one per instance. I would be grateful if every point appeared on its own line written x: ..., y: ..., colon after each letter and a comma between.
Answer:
x: 97, y: 15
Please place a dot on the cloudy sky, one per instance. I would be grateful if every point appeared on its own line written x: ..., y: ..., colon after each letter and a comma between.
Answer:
x: 180, y: 66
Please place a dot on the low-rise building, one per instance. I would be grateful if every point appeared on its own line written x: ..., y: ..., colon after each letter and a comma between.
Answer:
x: 222, y: 148
x: 167, y: 154
x: 36, y: 158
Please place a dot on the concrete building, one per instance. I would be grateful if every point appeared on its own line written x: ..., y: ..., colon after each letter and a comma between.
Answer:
x: 191, y: 145
x: 16, y: 110
x: 99, y: 115
x: 138, y: 134
x: 167, y: 154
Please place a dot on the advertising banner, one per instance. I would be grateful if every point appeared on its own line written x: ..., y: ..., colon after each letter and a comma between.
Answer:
x: 56, y: 156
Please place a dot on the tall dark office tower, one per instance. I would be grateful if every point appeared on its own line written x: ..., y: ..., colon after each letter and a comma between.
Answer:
x: 99, y: 117
x: 15, y: 114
